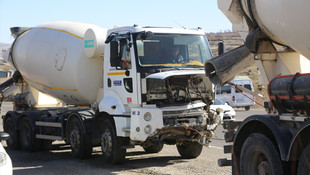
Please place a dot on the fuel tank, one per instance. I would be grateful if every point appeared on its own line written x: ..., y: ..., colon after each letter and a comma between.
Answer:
x: 291, y: 93
x: 62, y: 59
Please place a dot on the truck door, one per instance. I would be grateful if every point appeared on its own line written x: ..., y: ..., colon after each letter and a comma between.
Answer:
x: 122, y: 79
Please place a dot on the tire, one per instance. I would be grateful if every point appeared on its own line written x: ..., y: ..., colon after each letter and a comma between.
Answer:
x: 189, y: 150
x: 111, y: 145
x: 304, y: 162
x: 153, y: 148
x: 13, y: 141
x: 259, y: 156
x: 80, y: 142
x: 28, y: 141
x: 247, y: 108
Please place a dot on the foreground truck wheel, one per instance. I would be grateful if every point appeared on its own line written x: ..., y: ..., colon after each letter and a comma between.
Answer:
x: 189, y: 150
x: 80, y: 142
x: 10, y: 128
x: 304, y: 162
x: 259, y: 156
x: 28, y: 140
x: 153, y: 148
x: 110, y: 143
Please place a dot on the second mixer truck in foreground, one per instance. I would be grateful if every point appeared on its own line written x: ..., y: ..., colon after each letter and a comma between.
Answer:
x: 276, y: 33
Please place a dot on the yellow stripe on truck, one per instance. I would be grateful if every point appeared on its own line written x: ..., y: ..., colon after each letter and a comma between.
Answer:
x: 116, y: 73
x: 60, y: 31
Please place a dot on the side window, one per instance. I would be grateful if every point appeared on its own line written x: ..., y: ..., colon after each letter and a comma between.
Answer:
x: 126, y: 56
x: 218, y: 90
x: 223, y: 90
x: 248, y: 86
x: 238, y: 90
x: 3, y: 74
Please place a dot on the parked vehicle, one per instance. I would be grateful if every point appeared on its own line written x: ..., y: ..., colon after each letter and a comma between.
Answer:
x: 5, y: 160
x: 236, y: 97
x: 229, y: 112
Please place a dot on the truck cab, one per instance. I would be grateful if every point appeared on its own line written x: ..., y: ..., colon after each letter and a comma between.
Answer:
x: 155, y: 87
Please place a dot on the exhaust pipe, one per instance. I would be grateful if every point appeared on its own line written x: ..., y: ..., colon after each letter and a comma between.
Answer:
x: 223, y: 68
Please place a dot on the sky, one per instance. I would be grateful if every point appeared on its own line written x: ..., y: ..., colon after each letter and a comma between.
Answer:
x: 107, y: 14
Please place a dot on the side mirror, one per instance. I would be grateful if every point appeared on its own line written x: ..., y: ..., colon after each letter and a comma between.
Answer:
x: 147, y: 35
x: 221, y: 48
x: 4, y: 136
x: 114, y: 58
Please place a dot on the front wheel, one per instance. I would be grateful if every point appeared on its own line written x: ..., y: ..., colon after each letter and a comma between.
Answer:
x: 304, y: 162
x: 259, y: 156
x: 111, y: 145
x: 189, y: 150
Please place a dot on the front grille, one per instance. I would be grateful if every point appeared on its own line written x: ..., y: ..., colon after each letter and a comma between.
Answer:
x: 190, y: 117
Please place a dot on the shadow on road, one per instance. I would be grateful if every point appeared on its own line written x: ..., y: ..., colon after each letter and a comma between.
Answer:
x: 60, y: 161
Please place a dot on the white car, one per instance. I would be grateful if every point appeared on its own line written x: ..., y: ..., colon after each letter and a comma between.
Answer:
x: 5, y: 160
x: 229, y: 112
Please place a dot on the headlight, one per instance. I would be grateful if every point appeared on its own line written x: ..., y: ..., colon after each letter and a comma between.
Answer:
x: 148, y: 129
x: 147, y: 116
x: 2, y: 159
x: 219, y: 110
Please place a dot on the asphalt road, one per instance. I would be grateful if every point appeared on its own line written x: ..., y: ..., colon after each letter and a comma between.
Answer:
x: 60, y: 161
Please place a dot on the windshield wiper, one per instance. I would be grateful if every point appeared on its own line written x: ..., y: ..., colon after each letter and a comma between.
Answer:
x: 194, y: 66
x: 169, y: 67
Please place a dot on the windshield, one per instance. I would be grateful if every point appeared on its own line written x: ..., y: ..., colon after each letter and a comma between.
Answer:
x: 174, y: 50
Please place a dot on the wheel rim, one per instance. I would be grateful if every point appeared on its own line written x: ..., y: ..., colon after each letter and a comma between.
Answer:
x: 264, y: 168
x: 75, y: 139
x: 106, y: 142
x: 260, y: 164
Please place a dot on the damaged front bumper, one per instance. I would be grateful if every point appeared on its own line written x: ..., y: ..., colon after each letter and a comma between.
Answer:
x: 172, y: 125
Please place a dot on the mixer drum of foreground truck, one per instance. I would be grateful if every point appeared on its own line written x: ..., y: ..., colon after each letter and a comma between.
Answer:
x: 113, y: 88
x: 276, y: 35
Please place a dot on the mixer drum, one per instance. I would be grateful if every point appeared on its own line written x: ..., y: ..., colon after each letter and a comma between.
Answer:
x: 62, y: 59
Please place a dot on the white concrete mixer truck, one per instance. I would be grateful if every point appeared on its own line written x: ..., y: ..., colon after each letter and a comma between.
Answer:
x: 113, y: 88
x: 277, y: 39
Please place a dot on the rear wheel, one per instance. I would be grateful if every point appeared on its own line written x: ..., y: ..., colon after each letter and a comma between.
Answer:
x: 304, y: 162
x: 153, y: 148
x: 189, y: 150
x: 81, y: 144
x: 247, y: 108
x: 259, y: 156
x: 111, y: 145
x: 10, y: 128
x: 28, y: 140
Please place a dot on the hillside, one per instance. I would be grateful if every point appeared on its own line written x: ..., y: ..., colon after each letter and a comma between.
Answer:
x: 4, y: 45
x: 231, y: 40
x: 3, y: 65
